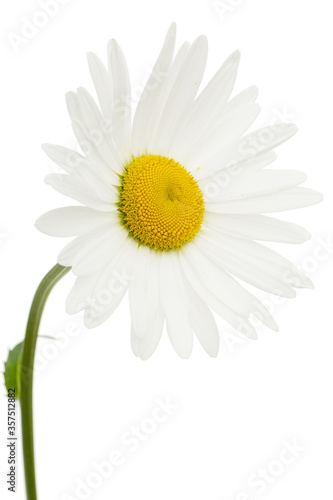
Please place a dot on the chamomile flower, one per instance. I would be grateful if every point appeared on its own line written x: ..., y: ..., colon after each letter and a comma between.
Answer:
x: 172, y: 202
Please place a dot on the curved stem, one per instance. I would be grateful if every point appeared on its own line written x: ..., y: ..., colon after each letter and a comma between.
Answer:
x: 27, y: 367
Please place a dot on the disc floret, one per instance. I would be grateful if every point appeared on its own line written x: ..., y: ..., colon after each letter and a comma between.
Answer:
x: 160, y: 202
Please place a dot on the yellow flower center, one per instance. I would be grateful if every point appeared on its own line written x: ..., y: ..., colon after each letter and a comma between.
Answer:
x: 160, y: 202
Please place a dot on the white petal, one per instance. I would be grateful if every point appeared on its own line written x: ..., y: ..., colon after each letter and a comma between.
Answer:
x: 135, y: 343
x: 182, y: 94
x: 90, y: 150
x: 77, y: 299
x: 146, y: 346
x: 212, y: 185
x: 111, y: 285
x: 70, y: 221
x: 244, y: 98
x: 229, y: 112
x: 95, y: 143
x: 73, y: 250
x: 103, y: 84
x: 89, y: 243
x: 166, y: 88
x: 237, y: 321
x: 140, y: 291
x: 99, y: 131
x: 277, y: 202
x: 256, y: 184
x: 106, y: 191
x: 94, y: 254
x: 225, y: 287
x: 249, y: 146
x: 232, y: 126
x: 150, y: 344
x: 121, y: 113
x: 73, y: 108
x: 146, y: 313
x: 257, y: 227
x: 77, y: 189
x: 273, y: 277
x: 175, y: 304
x: 66, y: 158
x: 218, y: 90
x: 97, y: 255
x: 152, y: 93
x: 202, y: 321
x: 206, y: 106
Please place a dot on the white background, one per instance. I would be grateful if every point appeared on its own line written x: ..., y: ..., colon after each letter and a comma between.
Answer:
x: 236, y: 412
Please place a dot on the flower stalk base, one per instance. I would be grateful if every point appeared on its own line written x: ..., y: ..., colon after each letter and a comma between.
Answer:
x: 27, y: 368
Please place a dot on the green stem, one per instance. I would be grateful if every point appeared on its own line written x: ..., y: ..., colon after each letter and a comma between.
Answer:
x: 27, y: 367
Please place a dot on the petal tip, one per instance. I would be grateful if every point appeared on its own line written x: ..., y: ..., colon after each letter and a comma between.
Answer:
x: 236, y: 56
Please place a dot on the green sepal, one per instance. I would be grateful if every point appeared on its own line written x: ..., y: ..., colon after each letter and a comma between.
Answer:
x: 13, y: 370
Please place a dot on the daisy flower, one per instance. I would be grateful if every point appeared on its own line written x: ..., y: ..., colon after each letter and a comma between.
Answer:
x: 173, y: 201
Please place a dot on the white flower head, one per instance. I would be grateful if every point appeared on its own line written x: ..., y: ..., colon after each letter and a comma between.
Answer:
x: 173, y: 201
